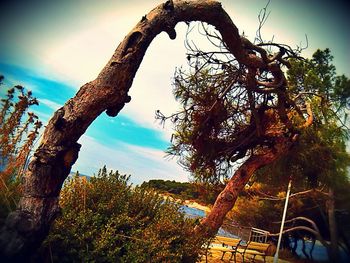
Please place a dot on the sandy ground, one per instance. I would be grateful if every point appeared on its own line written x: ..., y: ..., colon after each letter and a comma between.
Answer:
x: 215, y: 257
x: 197, y: 206
x: 188, y: 203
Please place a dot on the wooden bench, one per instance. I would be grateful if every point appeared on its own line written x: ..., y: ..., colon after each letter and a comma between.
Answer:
x: 255, y: 249
x: 226, y: 244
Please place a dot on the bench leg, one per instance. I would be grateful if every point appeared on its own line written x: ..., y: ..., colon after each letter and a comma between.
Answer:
x: 223, y: 254
x: 234, y: 256
x: 241, y: 254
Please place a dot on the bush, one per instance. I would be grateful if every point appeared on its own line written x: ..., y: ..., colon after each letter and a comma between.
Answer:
x: 105, y: 219
x: 19, y: 129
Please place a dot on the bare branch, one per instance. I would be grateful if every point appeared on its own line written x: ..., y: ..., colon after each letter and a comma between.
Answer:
x: 314, y: 230
x: 262, y: 18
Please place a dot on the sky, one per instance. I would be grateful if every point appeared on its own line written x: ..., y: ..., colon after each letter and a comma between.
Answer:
x: 54, y: 47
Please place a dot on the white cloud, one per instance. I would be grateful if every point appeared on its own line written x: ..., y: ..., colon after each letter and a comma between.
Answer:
x: 79, y: 57
x: 28, y: 86
x: 76, y: 62
x: 51, y: 104
x: 142, y: 163
x: 152, y: 86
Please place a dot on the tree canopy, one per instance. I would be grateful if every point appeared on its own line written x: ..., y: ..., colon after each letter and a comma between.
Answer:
x: 318, y: 159
x: 231, y: 112
x: 227, y: 106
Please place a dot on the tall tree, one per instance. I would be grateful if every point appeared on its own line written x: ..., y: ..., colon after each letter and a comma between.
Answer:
x: 219, y: 124
x: 233, y: 118
x: 328, y: 161
x: 259, y: 74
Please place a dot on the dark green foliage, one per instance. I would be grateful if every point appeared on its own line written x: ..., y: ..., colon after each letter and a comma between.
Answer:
x: 205, y: 193
x: 317, y: 77
x: 319, y: 160
x: 206, y: 124
x: 105, y: 219
x: 185, y: 190
x: 320, y: 157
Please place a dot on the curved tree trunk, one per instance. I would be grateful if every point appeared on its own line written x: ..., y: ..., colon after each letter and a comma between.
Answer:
x: 26, y: 228
x: 227, y: 198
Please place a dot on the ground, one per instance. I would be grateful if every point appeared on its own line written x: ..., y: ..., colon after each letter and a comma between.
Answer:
x: 215, y: 257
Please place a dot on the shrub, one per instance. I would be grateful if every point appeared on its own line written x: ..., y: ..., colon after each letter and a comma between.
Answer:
x: 19, y: 129
x: 105, y: 219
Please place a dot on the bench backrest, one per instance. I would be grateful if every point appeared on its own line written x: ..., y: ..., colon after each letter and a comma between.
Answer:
x: 232, y: 242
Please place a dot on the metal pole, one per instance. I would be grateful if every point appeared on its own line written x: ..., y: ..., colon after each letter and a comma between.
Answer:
x: 275, y: 259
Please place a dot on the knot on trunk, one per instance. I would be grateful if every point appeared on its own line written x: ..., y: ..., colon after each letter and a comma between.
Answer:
x: 228, y: 196
x: 52, y: 165
x: 47, y: 154
x: 58, y: 120
x: 71, y: 155
x: 133, y: 40
x: 168, y: 5
x: 113, y: 111
x: 171, y: 33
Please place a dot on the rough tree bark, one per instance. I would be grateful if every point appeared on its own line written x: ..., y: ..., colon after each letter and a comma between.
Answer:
x: 280, y: 145
x: 26, y: 228
x: 227, y: 198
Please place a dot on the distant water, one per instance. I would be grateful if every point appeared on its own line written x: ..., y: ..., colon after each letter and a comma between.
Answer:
x: 192, y: 212
x: 198, y: 213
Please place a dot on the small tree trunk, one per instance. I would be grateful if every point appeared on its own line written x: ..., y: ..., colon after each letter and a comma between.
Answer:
x: 303, y: 248
x: 227, y: 198
x: 312, y: 248
x: 334, y: 250
x: 295, y: 243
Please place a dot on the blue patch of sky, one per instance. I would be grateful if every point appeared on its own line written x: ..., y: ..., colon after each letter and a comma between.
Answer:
x: 106, y: 129
x: 41, y: 87
x: 124, y: 129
